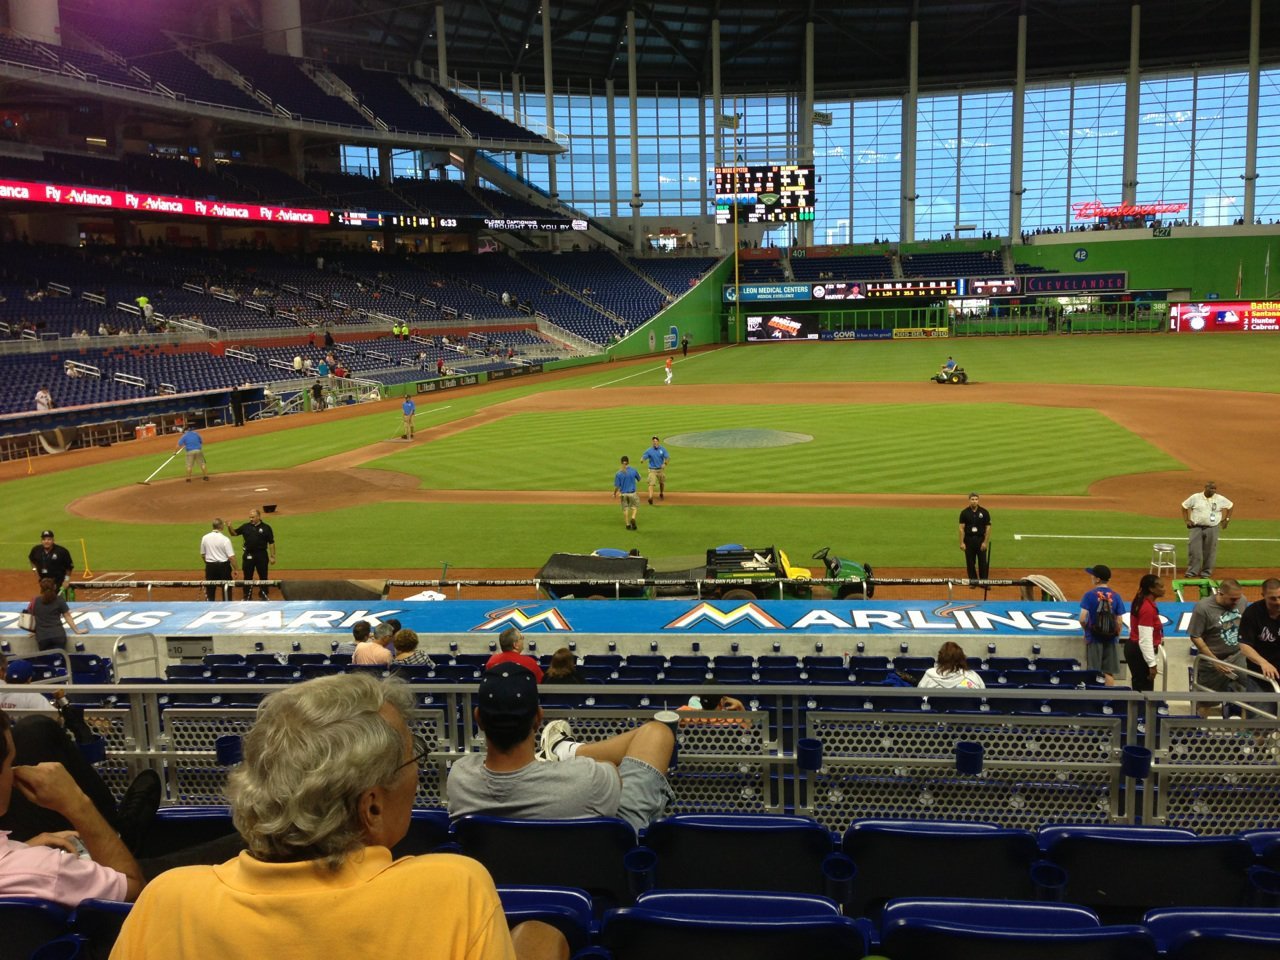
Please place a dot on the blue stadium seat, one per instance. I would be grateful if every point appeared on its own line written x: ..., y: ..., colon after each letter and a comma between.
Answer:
x: 901, y: 858
x: 798, y: 847
x: 29, y: 923
x: 586, y: 853
x: 568, y: 909
x: 175, y: 827
x: 1121, y: 872
x: 925, y: 929
x: 744, y: 927
x: 99, y: 922
x: 1223, y: 933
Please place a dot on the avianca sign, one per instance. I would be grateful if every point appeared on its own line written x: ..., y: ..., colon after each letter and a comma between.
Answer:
x: 129, y: 200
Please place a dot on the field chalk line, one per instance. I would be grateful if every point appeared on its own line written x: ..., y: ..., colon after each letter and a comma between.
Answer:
x: 648, y: 370
x: 1152, y: 538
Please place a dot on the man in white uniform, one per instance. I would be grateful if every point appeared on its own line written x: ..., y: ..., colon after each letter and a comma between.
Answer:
x: 219, y: 558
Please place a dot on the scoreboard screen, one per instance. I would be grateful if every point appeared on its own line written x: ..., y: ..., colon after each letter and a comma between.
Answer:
x: 773, y: 193
x: 913, y: 288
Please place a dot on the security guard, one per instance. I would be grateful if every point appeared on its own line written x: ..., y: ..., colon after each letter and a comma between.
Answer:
x: 975, y: 539
x: 259, y: 545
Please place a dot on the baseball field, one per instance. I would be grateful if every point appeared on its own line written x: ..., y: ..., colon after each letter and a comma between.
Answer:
x: 1082, y: 447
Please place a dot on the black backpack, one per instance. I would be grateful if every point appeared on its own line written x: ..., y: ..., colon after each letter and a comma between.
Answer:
x: 1105, y: 623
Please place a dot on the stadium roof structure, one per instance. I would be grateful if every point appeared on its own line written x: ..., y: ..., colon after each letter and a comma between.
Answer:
x: 861, y: 46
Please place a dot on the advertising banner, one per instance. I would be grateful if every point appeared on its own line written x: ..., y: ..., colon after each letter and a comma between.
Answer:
x: 780, y: 327
x: 447, y: 383
x: 140, y: 203
x: 939, y: 619
x: 1222, y: 316
x: 921, y: 333
x: 765, y: 292
x: 1075, y: 282
x: 878, y: 333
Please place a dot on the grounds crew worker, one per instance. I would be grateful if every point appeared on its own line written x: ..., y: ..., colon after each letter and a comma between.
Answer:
x: 975, y: 539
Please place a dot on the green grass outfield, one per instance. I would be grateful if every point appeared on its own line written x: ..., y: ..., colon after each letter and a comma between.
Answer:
x: 856, y: 449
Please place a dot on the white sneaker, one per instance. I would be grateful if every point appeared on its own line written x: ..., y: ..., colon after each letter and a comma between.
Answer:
x: 554, y: 733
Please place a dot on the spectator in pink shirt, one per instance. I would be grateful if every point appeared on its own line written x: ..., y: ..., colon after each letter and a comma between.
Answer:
x: 377, y: 649
x: 65, y: 866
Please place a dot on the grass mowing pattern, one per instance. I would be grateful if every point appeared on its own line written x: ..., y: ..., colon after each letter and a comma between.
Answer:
x: 499, y: 534
x: 881, y: 448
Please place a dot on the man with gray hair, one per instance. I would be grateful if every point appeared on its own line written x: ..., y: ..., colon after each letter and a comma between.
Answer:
x: 219, y: 559
x: 377, y: 649
x: 325, y: 789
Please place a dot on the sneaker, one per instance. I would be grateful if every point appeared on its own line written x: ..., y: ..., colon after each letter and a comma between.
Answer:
x: 206, y: 479
x: 554, y: 733
x: 662, y: 496
x: 137, y: 809
x: 651, y: 501
x: 188, y: 479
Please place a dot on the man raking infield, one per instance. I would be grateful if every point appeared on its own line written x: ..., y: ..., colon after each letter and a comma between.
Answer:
x: 193, y: 444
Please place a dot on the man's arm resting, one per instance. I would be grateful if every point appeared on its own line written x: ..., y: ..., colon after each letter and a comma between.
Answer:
x: 1204, y: 650
x: 49, y: 785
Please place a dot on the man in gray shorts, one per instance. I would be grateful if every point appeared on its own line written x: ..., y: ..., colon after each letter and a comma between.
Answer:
x: 624, y: 776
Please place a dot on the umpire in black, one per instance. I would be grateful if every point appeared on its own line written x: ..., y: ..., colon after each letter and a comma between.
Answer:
x: 259, y: 551
x: 975, y: 538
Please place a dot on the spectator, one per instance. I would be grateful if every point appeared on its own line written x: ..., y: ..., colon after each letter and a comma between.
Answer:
x: 1214, y: 629
x: 623, y: 776
x: 511, y: 650
x: 297, y: 363
x: 1145, y: 634
x: 326, y: 788
x: 1100, y: 611
x: 377, y: 649
x: 1260, y: 631
x: 17, y: 674
x: 47, y: 864
x: 44, y: 400
x: 950, y: 671
x: 563, y: 668
x: 405, y: 643
x: 359, y: 634
x: 50, y: 611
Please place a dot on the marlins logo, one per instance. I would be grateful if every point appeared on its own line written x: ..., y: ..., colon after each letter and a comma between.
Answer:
x: 706, y: 613
x: 551, y: 620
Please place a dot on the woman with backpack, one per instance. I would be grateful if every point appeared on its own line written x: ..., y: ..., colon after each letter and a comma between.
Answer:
x: 1145, y: 633
x: 48, y: 612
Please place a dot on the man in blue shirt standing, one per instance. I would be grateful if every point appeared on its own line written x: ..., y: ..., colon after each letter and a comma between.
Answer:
x: 1100, y: 611
x: 657, y: 458
x: 624, y: 487
x: 192, y: 442
x: 408, y: 409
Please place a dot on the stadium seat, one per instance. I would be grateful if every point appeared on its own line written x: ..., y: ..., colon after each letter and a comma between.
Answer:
x: 901, y: 858
x: 1224, y: 933
x: 926, y: 929
x: 1121, y: 872
x: 176, y: 827
x: 99, y: 923
x: 744, y: 927
x: 428, y: 830
x: 29, y: 923
x: 730, y: 846
x: 586, y: 853
x: 568, y: 909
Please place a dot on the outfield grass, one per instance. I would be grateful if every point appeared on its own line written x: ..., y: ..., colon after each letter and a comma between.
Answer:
x: 869, y: 448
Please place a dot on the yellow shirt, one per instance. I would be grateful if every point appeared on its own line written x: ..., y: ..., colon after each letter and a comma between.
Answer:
x: 436, y: 907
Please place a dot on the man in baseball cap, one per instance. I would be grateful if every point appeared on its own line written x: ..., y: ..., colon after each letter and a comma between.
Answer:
x: 1101, y: 609
x: 48, y: 559
x: 624, y: 776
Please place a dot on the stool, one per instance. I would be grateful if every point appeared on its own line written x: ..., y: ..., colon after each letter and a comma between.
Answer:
x: 1164, y: 560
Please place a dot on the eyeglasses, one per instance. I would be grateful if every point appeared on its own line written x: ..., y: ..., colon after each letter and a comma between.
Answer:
x: 420, y: 751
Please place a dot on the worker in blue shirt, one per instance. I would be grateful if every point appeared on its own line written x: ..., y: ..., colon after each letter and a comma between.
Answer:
x: 624, y: 488
x: 657, y: 458
x: 407, y: 409
x: 193, y: 444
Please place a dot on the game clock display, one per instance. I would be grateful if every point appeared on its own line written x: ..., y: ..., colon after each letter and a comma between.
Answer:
x: 773, y: 193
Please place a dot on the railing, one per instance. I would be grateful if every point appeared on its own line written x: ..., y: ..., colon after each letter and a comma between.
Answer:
x: 1131, y: 760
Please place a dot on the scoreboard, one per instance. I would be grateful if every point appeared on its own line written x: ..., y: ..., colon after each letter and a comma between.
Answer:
x: 773, y: 193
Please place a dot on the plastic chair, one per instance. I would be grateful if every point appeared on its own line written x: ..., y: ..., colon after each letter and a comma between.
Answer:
x: 899, y: 858
x: 99, y: 923
x: 29, y: 923
x: 586, y: 853
x: 798, y: 849
x: 568, y: 909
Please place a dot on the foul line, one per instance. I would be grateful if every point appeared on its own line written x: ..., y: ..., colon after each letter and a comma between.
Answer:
x: 648, y: 370
x: 1153, y: 537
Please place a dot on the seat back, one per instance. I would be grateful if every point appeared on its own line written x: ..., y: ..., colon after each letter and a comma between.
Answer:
x: 568, y: 909
x: 99, y: 922
x: 586, y: 853
x: 175, y: 827
x: 739, y: 852
x: 903, y: 858
x: 1123, y: 871
x: 29, y: 923
x: 1179, y: 926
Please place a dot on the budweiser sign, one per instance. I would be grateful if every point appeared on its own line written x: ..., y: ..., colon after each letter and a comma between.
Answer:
x: 1092, y: 209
